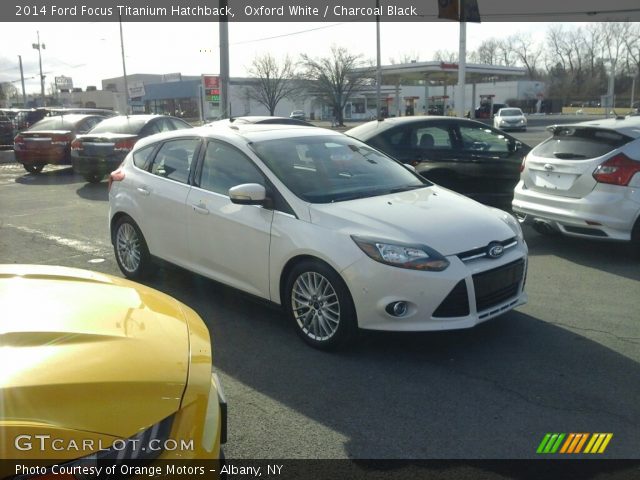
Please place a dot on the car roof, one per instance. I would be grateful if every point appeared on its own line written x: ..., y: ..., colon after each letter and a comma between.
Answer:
x: 248, y: 132
x: 629, y: 126
x: 374, y: 127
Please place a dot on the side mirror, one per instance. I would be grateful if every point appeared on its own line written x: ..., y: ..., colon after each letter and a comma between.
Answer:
x: 411, y: 167
x: 515, y: 146
x: 248, y: 194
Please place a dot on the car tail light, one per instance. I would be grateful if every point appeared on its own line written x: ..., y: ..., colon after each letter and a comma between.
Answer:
x: 618, y: 170
x: 524, y: 160
x: 77, y: 145
x: 18, y: 142
x: 116, y: 176
x: 124, y: 145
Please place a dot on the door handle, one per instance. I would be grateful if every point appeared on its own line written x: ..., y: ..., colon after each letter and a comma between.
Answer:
x: 201, y: 209
x: 143, y: 190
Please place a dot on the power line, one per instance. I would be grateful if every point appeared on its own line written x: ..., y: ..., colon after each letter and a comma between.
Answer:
x: 288, y: 34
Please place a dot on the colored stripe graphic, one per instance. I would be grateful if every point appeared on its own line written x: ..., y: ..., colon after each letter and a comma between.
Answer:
x: 598, y: 443
x: 574, y: 443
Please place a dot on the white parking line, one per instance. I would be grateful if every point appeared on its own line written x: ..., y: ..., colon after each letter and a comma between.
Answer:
x: 79, y: 245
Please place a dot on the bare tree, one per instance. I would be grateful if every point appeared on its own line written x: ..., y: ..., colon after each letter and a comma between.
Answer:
x: 447, y: 56
x: 273, y: 81
x: 487, y: 52
x: 334, y: 79
x: 409, y: 57
x: 526, y: 52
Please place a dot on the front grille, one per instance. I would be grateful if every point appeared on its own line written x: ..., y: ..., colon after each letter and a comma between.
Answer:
x: 498, y: 285
x: 456, y: 304
x: 481, y: 252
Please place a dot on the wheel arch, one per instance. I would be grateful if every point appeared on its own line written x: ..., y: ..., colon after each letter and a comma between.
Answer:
x: 291, y: 264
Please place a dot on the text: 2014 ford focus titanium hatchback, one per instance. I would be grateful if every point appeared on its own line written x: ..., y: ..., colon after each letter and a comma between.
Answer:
x: 340, y: 235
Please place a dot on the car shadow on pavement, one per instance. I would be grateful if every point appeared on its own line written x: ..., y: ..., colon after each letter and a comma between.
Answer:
x: 617, y: 258
x: 94, y: 191
x: 489, y: 392
x: 59, y: 176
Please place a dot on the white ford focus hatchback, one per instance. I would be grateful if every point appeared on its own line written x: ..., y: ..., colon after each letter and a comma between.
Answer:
x: 337, y: 233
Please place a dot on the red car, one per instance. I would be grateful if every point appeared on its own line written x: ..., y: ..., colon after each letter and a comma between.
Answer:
x: 49, y: 140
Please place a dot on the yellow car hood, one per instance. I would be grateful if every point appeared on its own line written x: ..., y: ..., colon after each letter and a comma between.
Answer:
x: 87, y: 352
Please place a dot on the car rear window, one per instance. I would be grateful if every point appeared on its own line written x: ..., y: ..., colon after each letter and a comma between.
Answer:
x: 54, y: 123
x: 510, y: 112
x: 130, y: 125
x: 575, y: 143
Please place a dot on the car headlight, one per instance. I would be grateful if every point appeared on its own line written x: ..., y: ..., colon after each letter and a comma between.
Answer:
x: 146, y: 445
x: 513, y: 223
x: 415, y: 257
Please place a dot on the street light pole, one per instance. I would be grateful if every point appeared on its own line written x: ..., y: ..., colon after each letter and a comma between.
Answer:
x: 124, y: 69
x: 611, y: 88
x: 24, y: 94
x: 378, y: 65
x: 40, y: 46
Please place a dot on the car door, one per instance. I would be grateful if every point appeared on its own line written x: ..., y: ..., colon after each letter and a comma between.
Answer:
x: 490, y: 163
x: 228, y: 242
x: 162, y: 196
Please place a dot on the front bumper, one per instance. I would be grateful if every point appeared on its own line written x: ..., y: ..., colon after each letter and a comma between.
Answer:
x: 374, y: 286
x: 607, y: 212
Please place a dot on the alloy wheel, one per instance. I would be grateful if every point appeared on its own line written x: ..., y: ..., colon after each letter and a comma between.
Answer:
x: 315, y: 305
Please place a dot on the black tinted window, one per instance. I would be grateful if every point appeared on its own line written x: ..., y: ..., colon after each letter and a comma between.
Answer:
x: 575, y: 143
x: 225, y: 167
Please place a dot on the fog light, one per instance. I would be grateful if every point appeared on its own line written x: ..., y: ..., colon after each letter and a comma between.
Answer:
x: 397, y: 309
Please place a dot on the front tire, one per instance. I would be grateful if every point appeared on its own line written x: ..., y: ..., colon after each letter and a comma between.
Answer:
x: 130, y: 247
x: 319, y: 305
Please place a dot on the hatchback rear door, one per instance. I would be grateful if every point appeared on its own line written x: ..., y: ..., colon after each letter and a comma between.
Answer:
x: 564, y: 164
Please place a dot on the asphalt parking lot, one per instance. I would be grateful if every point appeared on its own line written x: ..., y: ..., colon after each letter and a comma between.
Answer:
x: 568, y: 361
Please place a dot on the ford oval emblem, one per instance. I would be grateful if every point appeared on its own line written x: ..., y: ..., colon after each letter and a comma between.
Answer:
x: 495, y: 250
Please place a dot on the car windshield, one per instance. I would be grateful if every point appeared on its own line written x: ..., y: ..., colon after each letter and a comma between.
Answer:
x: 510, y: 112
x: 324, y: 169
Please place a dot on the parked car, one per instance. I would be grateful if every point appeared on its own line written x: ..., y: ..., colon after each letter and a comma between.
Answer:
x: 102, y: 150
x: 6, y: 131
x: 510, y: 119
x: 101, y: 369
x: 298, y: 115
x: 466, y: 156
x: 584, y: 181
x: 258, y: 119
x: 337, y: 233
x: 488, y: 111
x: 48, y: 141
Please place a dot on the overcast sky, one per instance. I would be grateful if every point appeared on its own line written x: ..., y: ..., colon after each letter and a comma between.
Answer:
x: 90, y: 52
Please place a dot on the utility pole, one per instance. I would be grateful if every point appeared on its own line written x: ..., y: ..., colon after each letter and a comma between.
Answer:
x: 223, y: 26
x: 378, y: 65
x: 24, y: 94
x: 40, y: 46
x: 124, y: 68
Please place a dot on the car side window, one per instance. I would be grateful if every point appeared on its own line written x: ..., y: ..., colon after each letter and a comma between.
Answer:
x: 224, y: 167
x: 178, y: 124
x: 174, y: 159
x: 483, y: 139
x: 141, y: 157
x: 165, y: 125
x: 430, y: 138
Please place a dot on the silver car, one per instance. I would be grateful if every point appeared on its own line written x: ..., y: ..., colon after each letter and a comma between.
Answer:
x: 584, y: 181
x: 510, y: 119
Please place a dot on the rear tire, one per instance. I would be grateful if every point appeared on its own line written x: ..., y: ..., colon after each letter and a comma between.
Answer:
x: 33, y: 168
x: 93, y: 177
x: 320, y: 306
x: 130, y: 247
x: 635, y: 239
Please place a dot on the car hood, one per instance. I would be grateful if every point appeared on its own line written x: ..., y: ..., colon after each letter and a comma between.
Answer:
x: 88, y: 352
x: 434, y: 216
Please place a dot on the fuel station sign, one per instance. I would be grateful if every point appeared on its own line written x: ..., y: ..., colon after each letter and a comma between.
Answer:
x: 211, y: 88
